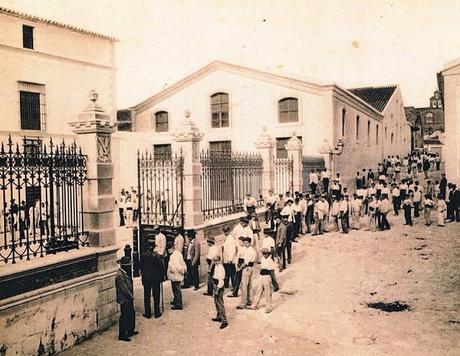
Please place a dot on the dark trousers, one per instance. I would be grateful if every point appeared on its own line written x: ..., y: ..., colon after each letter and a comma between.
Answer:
x: 177, y: 293
x: 457, y: 213
x: 313, y: 188
x: 297, y: 224
x: 344, y: 221
x: 385, y: 223
x: 230, y: 271
x: 149, y: 289
x: 195, y: 280
x: 282, y: 255
x: 122, y: 216
x: 44, y: 227
x: 127, y: 322
x: 210, y: 283
x: 219, y: 302
x: 450, y: 211
x: 438, y: 166
x: 326, y: 185
x: 289, y: 251
x: 309, y: 221
x: 236, y: 287
x: 416, y: 209
x: 396, y: 205
x: 188, y: 281
x: 408, y: 217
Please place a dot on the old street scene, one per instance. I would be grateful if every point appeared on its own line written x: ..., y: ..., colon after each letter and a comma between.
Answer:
x: 220, y: 177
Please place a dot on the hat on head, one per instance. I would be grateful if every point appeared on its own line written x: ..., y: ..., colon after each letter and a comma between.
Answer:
x: 268, y: 231
x: 211, y: 240
x: 247, y: 239
x: 125, y: 261
x: 265, y: 251
x: 191, y: 233
x: 241, y: 238
x: 245, y: 220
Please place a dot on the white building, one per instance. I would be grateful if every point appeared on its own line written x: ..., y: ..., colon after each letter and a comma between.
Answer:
x: 451, y: 75
x: 231, y: 104
x: 47, y: 70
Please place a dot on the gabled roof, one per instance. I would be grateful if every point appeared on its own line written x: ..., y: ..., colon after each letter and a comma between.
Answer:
x: 377, y: 97
x: 25, y: 16
x: 301, y: 84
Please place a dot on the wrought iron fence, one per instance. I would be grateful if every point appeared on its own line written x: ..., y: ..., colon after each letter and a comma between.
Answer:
x: 41, y: 199
x: 284, y: 175
x: 226, y: 178
x: 160, y: 186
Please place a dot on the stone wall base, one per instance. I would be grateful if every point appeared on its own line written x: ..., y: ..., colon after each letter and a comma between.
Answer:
x: 54, y: 318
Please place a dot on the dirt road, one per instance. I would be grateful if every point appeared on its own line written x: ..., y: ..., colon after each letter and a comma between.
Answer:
x: 322, y: 308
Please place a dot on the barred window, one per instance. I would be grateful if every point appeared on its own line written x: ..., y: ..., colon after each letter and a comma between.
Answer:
x: 368, y: 131
x: 344, y: 113
x: 161, y: 121
x: 27, y: 37
x: 357, y: 128
x: 220, y: 146
x: 162, y: 151
x: 32, y: 106
x: 280, y: 149
x: 377, y: 134
x: 288, y: 110
x: 219, y: 110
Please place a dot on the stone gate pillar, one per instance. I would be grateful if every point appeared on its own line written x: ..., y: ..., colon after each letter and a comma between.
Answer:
x: 94, y: 129
x: 294, y: 151
x: 264, y: 145
x: 188, y: 137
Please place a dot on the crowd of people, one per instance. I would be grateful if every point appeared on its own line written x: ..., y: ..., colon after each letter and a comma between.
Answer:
x: 127, y: 205
x: 251, y: 257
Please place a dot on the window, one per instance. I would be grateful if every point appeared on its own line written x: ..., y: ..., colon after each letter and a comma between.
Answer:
x: 280, y: 143
x: 429, y: 118
x: 377, y: 134
x: 27, y: 37
x: 344, y: 112
x: 32, y: 146
x: 368, y: 131
x: 219, y: 110
x: 288, y: 110
x: 357, y: 128
x: 386, y: 134
x: 392, y: 137
x: 162, y: 151
x: 32, y: 106
x: 220, y: 146
x: 161, y: 121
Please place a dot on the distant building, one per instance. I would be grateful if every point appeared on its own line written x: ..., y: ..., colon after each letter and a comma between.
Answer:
x: 231, y: 104
x: 431, y: 123
x: 47, y: 71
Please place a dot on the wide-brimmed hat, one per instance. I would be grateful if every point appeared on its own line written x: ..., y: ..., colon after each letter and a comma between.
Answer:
x: 211, y: 240
x: 125, y: 261
x: 191, y: 233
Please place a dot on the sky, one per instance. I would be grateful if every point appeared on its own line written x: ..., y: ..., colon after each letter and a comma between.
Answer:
x: 350, y: 42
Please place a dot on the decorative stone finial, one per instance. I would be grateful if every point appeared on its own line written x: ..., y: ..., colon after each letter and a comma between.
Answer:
x: 293, y: 143
x: 93, y: 95
x: 187, y: 114
x: 187, y: 130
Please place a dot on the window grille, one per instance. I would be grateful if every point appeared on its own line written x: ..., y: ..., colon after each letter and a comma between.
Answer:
x: 288, y: 110
x: 27, y: 37
x: 219, y: 110
x: 161, y: 121
x: 32, y: 106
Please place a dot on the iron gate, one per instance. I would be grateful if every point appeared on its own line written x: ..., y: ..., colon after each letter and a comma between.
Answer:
x: 41, y: 199
x: 284, y: 181
x: 160, y: 186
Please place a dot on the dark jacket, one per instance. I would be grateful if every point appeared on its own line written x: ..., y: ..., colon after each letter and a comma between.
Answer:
x: 289, y: 232
x: 195, y: 252
x: 152, y: 267
x: 124, y: 287
x: 281, y: 235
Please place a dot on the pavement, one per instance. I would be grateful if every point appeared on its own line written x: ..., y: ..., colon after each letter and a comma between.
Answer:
x: 322, y: 306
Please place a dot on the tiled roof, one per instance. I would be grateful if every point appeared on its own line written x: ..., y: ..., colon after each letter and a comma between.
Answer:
x: 377, y: 97
x: 54, y: 23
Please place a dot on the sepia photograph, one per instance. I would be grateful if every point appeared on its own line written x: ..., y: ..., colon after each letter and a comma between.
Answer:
x: 230, y: 177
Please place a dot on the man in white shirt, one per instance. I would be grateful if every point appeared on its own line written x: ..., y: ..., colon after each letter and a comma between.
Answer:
x: 229, y: 251
x: 416, y: 200
x: 160, y: 241
x: 249, y: 257
x: 243, y: 230
x: 395, y: 193
x: 319, y: 217
x: 270, y: 202
x: 384, y: 209
x: 313, y: 178
x: 343, y: 211
x: 267, y: 267
x: 249, y: 204
x: 325, y: 177
x: 219, y: 288
x: 356, y: 210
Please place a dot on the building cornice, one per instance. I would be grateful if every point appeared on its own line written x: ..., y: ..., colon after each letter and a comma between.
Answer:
x: 33, y: 18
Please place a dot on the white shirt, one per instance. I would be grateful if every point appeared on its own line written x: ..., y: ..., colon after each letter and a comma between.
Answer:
x: 219, y: 274
x: 240, y: 231
x: 160, y: 244
x: 313, y: 177
x: 325, y: 174
x: 343, y: 206
x: 229, y: 249
x: 319, y: 209
x: 267, y: 263
x: 268, y: 243
x: 212, y: 252
x: 249, y: 255
x: 356, y: 205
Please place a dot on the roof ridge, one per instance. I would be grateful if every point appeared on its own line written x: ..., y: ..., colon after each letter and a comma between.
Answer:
x: 24, y: 15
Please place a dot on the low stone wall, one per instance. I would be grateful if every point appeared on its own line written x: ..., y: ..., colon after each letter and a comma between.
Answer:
x: 65, y: 309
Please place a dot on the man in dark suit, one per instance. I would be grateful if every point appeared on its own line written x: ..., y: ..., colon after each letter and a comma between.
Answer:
x: 193, y: 256
x: 125, y: 297
x: 152, y: 271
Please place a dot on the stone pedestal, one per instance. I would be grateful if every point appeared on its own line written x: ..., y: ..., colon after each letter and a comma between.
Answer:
x: 187, y: 137
x: 264, y: 145
x: 94, y: 129
x: 294, y: 151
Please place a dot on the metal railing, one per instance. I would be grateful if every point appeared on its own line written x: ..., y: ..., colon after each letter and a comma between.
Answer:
x: 226, y: 178
x: 41, y: 199
x: 283, y: 175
